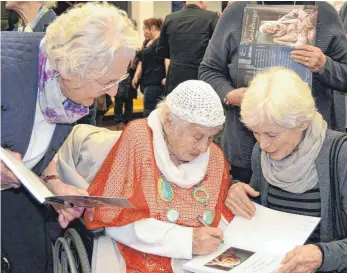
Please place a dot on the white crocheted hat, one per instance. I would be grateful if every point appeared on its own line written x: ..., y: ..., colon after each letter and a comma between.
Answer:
x: 196, y: 102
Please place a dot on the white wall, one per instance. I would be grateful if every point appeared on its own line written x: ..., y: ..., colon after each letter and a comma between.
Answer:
x: 214, y: 5
x: 141, y: 10
x: 162, y: 8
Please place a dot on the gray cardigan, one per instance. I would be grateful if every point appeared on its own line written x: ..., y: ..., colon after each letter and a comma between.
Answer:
x: 219, y: 68
x: 335, y: 253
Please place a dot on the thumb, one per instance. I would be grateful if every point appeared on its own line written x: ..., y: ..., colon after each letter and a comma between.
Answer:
x: 250, y: 191
x: 90, y: 214
x: 216, y: 232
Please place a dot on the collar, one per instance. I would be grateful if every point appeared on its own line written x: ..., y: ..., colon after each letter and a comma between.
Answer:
x: 192, y: 6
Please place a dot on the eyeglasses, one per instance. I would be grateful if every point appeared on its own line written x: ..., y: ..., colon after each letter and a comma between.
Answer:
x: 112, y: 83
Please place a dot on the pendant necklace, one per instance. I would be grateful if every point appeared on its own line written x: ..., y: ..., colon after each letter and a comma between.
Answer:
x: 199, y: 194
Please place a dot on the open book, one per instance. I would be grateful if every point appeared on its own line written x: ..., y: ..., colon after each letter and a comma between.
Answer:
x: 42, y: 194
x: 258, y: 245
x: 269, y: 34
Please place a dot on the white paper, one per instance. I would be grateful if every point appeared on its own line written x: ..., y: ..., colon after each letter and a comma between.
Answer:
x: 258, y: 245
x: 29, y: 179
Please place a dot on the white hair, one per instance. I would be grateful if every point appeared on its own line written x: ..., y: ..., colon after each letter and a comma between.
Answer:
x: 84, y: 42
x: 278, y: 96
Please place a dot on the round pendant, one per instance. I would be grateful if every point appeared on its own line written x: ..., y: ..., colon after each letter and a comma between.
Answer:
x: 172, y: 215
x: 201, y: 195
x: 165, y: 191
x: 208, y: 217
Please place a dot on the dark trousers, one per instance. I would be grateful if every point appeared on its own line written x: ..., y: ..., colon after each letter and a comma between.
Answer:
x: 152, y: 95
x: 178, y: 74
x: 27, y: 232
x: 128, y: 103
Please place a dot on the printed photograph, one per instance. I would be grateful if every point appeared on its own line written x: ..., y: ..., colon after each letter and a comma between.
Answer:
x: 230, y: 259
x: 298, y: 27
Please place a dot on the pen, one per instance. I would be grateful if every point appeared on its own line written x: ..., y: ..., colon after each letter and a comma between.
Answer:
x: 202, y: 221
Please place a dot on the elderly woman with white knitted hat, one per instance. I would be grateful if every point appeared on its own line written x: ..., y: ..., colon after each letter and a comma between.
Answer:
x: 175, y: 177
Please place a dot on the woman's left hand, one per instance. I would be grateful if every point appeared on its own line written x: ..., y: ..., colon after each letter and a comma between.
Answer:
x: 66, y: 215
x: 310, y: 56
x: 302, y: 259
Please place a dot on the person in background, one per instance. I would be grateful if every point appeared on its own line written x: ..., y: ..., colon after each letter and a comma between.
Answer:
x: 291, y: 165
x: 183, y: 41
x: 35, y: 16
x: 327, y: 60
x: 48, y: 82
x: 151, y: 67
x: 343, y: 16
x: 126, y: 93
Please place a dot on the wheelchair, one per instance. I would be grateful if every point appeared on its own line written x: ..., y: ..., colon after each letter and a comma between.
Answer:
x: 72, y: 253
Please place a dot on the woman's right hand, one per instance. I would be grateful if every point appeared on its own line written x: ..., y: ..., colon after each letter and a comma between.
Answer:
x: 206, y: 240
x: 135, y: 81
x: 8, y: 179
x: 238, y: 201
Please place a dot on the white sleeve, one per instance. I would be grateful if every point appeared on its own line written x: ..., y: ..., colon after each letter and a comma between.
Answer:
x: 155, y: 237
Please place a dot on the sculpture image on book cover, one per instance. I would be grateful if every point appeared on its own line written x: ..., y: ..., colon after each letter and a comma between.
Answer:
x: 269, y: 34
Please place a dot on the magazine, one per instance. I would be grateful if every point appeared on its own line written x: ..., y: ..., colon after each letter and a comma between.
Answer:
x: 258, y: 245
x: 42, y: 194
x: 269, y: 34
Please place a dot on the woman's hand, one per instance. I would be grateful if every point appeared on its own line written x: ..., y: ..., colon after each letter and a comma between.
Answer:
x: 135, y: 81
x: 238, y: 201
x: 303, y: 259
x: 66, y: 215
x: 8, y: 179
x: 235, y: 96
x: 206, y: 240
x: 310, y: 56
x: 163, y: 82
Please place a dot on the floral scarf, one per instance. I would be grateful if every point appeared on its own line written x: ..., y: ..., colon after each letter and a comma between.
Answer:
x: 55, y: 107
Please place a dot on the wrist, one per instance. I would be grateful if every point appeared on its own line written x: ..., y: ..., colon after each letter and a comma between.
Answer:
x: 51, y: 181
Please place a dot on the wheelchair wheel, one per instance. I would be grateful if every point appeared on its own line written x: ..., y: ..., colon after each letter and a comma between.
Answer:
x: 79, y: 252
x: 64, y: 261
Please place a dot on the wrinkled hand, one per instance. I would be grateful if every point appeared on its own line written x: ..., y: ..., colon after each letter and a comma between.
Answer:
x: 8, y: 179
x: 206, y: 240
x: 310, y: 56
x: 238, y: 201
x: 66, y: 215
x: 135, y: 81
x: 235, y: 97
x: 302, y: 259
x: 163, y: 82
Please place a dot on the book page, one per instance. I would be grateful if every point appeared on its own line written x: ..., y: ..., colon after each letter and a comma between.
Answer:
x: 258, y: 245
x: 30, y: 180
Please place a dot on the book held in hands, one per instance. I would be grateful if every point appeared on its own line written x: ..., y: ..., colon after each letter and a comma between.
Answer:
x: 43, y: 195
x: 269, y: 35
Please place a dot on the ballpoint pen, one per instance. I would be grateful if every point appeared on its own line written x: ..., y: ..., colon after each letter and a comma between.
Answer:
x: 201, y: 220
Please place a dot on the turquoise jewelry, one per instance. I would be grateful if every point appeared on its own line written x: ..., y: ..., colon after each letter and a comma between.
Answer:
x: 172, y: 215
x: 202, y: 200
x: 208, y: 217
x: 165, y: 190
x: 200, y: 194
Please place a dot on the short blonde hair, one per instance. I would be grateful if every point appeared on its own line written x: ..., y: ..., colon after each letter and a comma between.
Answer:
x: 84, y: 41
x: 50, y: 4
x: 278, y: 96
